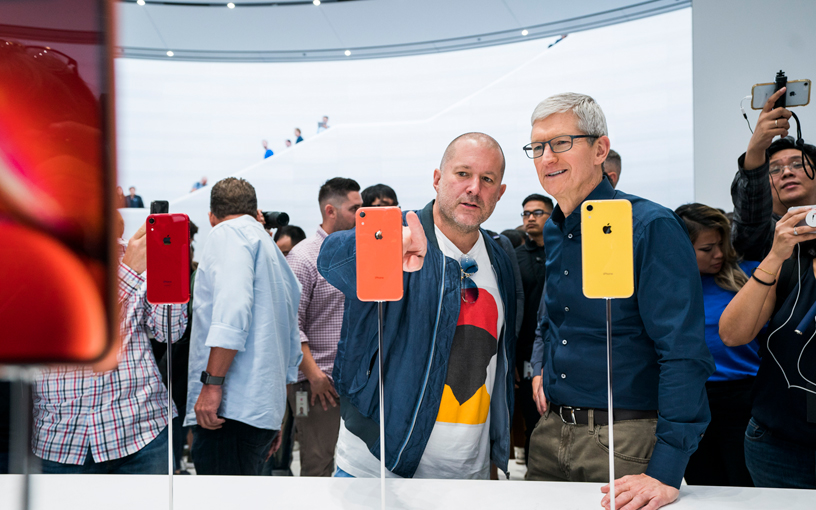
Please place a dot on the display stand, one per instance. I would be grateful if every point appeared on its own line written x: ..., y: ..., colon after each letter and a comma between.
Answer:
x: 22, y: 379
x: 609, y: 406
x: 382, y: 402
x: 170, y: 449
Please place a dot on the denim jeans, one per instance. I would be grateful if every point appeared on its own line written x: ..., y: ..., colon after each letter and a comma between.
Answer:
x: 775, y: 462
x: 342, y: 474
x: 234, y: 449
x: 150, y: 460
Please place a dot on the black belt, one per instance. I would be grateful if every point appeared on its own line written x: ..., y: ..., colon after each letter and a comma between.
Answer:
x: 580, y: 415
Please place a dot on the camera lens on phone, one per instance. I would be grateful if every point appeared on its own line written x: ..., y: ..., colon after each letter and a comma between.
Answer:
x: 152, y: 221
x: 589, y: 208
x: 362, y: 214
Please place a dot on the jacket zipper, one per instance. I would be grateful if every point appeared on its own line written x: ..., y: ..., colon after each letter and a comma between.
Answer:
x: 427, y: 370
x: 506, y: 371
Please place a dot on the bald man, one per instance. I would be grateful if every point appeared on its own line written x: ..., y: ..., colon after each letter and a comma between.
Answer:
x: 449, y: 343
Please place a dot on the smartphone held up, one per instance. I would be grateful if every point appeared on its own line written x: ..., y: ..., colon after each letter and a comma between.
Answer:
x: 379, y: 253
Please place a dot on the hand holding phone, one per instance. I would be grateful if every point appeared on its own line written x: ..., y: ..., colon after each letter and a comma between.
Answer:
x: 772, y: 122
x: 136, y: 252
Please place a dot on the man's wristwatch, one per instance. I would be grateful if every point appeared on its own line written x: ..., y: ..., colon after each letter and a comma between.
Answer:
x: 211, y: 379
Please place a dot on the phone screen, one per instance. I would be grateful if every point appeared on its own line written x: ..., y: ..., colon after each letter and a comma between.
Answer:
x: 56, y: 175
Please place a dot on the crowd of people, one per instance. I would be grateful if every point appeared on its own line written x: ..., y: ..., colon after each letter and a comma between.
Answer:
x: 714, y: 383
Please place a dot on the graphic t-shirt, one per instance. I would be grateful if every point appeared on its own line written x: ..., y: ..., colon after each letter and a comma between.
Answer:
x: 459, y: 445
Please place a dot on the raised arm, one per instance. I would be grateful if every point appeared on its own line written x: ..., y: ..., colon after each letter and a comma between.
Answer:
x: 758, y: 298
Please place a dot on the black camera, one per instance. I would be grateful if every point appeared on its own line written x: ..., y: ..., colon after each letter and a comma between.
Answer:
x: 275, y: 219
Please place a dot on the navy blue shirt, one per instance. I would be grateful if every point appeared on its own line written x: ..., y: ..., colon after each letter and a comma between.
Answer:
x: 733, y: 363
x: 659, y: 356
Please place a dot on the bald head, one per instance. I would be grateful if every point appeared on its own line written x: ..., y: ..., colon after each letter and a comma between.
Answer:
x: 471, y: 140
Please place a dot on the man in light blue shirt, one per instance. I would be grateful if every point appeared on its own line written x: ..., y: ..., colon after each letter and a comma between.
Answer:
x: 245, y: 343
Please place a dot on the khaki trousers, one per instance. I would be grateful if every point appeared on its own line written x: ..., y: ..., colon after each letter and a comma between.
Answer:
x: 580, y: 453
x: 316, y: 433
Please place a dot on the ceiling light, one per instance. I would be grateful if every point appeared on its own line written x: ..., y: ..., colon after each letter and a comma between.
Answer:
x: 316, y: 2
x: 524, y: 32
x: 140, y: 2
x: 231, y: 5
x: 348, y: 53
x: 169, y: 53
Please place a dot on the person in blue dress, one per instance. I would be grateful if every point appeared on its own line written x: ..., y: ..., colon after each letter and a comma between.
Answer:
x: 720, y: 458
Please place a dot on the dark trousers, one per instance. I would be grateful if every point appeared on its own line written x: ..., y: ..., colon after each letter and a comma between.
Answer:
x: 234, y: 449
x: 775, y: 462
x: 280, y: 464
x: 720, y: 457
x: 526, y: 404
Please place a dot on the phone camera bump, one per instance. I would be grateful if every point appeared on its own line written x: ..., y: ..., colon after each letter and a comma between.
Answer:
x: 152, y: 221
x: 589, y: 208
x: 362, y: 214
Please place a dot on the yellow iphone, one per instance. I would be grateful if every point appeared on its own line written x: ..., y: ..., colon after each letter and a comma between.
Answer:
x: 606, y: 249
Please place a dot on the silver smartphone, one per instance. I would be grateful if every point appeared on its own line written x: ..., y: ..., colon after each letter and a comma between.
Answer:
x: 798, y: 94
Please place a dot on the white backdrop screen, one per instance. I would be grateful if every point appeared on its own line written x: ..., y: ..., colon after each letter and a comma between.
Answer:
x: 391, y: 119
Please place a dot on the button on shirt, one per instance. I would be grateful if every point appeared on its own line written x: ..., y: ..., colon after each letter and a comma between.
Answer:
x: 320, y: 314
x: 246, y: 299
x: 660, y: 359
x: 118, y: 412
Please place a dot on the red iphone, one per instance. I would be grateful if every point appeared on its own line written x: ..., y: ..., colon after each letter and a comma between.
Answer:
x: 379, y: 253
x: 168, y: 258
x: 58, y: 256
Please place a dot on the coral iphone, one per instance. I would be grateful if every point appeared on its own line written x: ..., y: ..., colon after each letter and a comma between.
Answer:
x: 379, y: 253
x: 606, y: 249
x: 168, y: 258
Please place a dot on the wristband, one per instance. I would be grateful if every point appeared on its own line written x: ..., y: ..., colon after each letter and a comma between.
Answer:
x: 760, y: 281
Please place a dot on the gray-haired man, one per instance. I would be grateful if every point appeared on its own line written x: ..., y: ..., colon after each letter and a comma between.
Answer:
x: 660, y: 359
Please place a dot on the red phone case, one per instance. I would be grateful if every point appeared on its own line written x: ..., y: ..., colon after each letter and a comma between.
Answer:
x: 379, y: 253
x: 168, y: 258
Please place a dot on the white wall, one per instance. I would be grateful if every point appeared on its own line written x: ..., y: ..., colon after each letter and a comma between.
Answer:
x: 392, y: 118
x: 738, y: 43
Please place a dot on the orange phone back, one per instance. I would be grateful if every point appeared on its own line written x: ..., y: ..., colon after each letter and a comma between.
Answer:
x: 379, y: 253
x: 168, y: 258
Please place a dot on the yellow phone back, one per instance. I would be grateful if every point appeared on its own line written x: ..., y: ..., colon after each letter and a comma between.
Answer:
x: 606, y: 249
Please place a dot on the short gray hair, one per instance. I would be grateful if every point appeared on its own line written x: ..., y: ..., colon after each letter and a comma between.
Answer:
x: 591, y: 119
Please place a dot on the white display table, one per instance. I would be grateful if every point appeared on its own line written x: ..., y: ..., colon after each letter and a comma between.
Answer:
x: 120, y: 492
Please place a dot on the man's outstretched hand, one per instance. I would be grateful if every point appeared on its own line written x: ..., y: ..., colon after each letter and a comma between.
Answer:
x: 414, y: 244
x: 639, y: 491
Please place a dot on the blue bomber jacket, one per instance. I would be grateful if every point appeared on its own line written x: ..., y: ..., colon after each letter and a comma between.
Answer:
x: 417, y: 337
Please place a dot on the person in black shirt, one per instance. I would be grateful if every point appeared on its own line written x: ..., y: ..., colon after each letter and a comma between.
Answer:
x: 780, y: 440
x: 531, y: 261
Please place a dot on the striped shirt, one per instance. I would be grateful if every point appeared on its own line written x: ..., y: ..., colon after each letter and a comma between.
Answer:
x: 118, y: 412
x: 320, y: 314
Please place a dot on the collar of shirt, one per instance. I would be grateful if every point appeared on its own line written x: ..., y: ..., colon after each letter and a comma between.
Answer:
x: 571, y: 223
x: 321, y: 233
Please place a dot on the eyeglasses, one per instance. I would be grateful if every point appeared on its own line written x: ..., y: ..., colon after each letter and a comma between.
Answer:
x: 468, y: 266
x: 537, y: 213
x: 558, y: 144
x: 796, y: 166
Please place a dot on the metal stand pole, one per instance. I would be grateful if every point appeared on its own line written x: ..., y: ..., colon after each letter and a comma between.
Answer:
x: 170, y: 449
x: 609, y: 403
x: 382, y: 402
x: 21, y: 457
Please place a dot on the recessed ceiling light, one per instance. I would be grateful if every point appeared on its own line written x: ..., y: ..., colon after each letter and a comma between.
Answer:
x: 170, y: 53
x: 348, y: 53
x: 140, y: 2
x: 316, y: 2
x: 231, y: 5
x: 524, y: 32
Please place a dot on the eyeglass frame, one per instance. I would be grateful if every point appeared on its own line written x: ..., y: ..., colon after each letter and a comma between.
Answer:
x: 527, y: 214
x: 789, y: 166
x: 544, y: 144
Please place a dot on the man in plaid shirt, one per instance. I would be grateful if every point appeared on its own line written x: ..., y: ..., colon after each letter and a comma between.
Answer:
x: 320, y: 318
x: 114, y: 421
